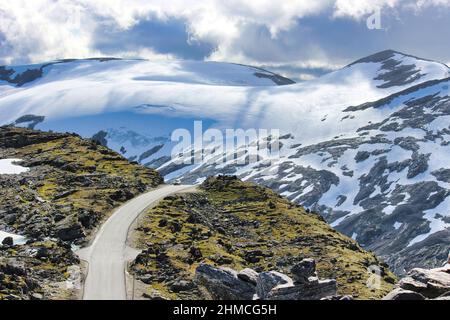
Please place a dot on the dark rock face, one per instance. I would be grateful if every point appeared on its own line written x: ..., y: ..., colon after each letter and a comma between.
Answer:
x: 394, y: 73
x: 10, y: 138
x: 20, y: 79
x: 31, y: 74
x: 70, y: 232
x: 150, y: 152
x: 100, y: 137
x: 315, y: 290
x: 31, y: 120
x: 8, y: 241
x: 279, y: 80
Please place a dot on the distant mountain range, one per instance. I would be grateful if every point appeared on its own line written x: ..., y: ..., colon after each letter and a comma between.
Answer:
x: 364, y: 146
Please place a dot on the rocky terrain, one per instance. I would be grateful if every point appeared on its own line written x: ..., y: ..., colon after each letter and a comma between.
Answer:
x: 422, y: 284
x: 228, y: 284
x: 72, y: 185
x: 190, y: 237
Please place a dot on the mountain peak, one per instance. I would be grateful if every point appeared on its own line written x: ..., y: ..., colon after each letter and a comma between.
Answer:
x: 387, y: 55
x: 397, y: 69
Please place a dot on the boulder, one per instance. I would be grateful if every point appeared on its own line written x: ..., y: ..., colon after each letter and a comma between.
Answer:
x: 154, y: 295
x: 430, y: 283
x: 304, y: 270
x: 8, y: 241
x: 402, y: 294
x: 268, y: 281
x: 227, y: 284
x: 223, y: 283
x: 248, y: 275
x: 306, y: 291
x: 181, y: 285
x: 70, y: 232
x: 36, y: 296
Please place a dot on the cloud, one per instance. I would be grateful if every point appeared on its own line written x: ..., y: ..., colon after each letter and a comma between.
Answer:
x: 165, y: 37
x: 311, y: 36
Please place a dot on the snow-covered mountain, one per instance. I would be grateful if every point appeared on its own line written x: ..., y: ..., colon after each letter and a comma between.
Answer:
x: 364, y: 146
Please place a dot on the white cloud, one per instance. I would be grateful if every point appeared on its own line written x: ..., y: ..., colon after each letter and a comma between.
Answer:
x: 361, y: 8
x: 39, y: 30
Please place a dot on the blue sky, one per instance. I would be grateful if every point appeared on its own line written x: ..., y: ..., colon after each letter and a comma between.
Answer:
x: 298, y: 38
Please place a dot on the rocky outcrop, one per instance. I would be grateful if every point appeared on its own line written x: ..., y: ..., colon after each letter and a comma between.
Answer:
x: 422, y: 284
x: 224, y: 283
x: 228, y: 284
x: 402, y: 294
x: 431, y: 283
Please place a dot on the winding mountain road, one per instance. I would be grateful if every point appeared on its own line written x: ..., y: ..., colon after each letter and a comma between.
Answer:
x: 108, y: 254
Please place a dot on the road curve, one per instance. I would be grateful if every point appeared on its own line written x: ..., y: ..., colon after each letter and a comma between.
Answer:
x: 108, y: 254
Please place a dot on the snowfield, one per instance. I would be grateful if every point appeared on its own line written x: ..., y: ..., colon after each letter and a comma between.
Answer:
x: 8, y: 166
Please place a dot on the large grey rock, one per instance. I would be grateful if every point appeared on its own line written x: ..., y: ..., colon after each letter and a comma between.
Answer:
x: 315, y: 290
x: 304, y: 270
x: 267, y: 281
x: 223, y: 283
x: 248, y: 275
x: 70, y: 232
x: 402, y: 294
x: 430, y: 283
x: 227, y: 284
x: 180, y: 285
x: 154, y: 295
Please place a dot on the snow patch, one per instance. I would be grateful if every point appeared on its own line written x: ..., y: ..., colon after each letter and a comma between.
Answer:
x: 17, y: 239
x: 8, y: 166
x: 397, y: 225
